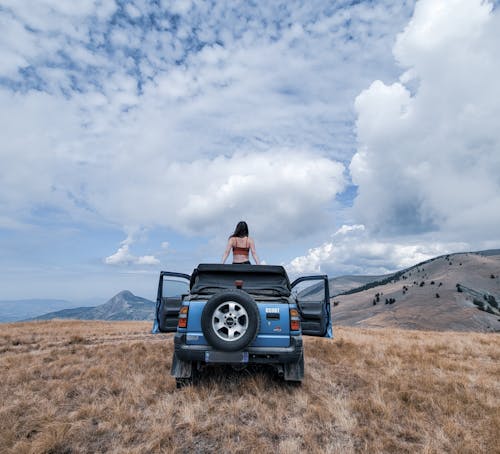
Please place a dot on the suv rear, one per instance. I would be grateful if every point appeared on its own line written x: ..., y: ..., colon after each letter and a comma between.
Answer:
x: 239, y: 315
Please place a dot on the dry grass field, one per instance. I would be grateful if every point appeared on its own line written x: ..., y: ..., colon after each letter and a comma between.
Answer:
x: 70, y: 387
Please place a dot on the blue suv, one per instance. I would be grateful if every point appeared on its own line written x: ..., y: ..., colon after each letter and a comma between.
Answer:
x: 241, y: 315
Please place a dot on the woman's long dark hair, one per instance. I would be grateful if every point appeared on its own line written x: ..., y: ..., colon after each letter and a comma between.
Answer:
x: 241, y: 230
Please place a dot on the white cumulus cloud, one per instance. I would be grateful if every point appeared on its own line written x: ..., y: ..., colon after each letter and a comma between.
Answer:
x: 123, y: 256
x: 428, y: 158
x: 352, y: 250
x: 199, y: 113
x: 427, y: 164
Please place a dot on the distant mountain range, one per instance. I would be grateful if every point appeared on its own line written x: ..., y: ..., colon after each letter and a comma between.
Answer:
x: 16, y: 310
x: 123, y: 306
x: 342, y: 284
x: 452, y: 292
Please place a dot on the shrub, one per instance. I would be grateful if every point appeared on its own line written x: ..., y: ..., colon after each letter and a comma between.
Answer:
x: 459, y: 288
x: 480, y: 305
x: 492, y: 301
x: 437, y: 295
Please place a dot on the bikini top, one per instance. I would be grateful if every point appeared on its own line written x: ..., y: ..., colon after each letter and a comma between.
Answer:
x: 241, y: 250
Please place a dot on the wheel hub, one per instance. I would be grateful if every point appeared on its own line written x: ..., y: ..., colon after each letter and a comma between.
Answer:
x: 230, y: 321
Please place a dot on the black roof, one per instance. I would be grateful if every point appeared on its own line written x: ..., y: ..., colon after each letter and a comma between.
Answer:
x: 270, y: 279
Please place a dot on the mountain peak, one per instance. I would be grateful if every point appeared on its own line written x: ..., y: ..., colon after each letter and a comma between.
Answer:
x: 127, y: 294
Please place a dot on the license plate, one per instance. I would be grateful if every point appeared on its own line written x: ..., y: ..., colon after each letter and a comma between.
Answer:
x: 226, y: 357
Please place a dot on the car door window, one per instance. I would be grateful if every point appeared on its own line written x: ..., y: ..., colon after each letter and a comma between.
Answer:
x: 172, y: 288
x: 312, y: 296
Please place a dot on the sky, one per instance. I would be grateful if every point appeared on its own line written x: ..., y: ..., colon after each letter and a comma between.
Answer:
x: 354, y: 137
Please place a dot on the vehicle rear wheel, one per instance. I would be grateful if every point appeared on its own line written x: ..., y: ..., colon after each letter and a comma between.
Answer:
x: 230, y: 320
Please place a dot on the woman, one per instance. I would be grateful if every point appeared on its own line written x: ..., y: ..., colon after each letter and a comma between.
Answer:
x: 241, y: 244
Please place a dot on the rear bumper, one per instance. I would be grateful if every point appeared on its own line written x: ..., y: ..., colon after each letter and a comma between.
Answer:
x: 254, y: 355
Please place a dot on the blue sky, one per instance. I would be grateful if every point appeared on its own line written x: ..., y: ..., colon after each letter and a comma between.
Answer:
x: 354, y: 137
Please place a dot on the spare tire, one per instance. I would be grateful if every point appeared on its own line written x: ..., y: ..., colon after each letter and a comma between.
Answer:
x: 230, y: 320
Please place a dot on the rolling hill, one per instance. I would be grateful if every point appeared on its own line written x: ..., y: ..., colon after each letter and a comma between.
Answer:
x: 444, y: 293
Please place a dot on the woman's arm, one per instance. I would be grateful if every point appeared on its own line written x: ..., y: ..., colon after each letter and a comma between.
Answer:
x: 228, y: 250
x: 254, y: 253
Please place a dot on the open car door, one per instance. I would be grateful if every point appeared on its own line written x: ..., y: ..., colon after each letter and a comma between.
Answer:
x: 313, y: 300
x: 172, y: 288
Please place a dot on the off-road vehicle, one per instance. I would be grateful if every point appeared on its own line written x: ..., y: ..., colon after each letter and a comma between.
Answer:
x: 241, y: 315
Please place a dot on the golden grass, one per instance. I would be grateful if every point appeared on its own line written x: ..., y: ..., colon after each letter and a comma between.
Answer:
x: 105, y: 387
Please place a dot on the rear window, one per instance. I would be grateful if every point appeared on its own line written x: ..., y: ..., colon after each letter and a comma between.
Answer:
x: 257, y: 279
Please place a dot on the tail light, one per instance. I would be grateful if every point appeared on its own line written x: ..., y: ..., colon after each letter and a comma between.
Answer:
x: 294, y: 320
x: 183, y: 317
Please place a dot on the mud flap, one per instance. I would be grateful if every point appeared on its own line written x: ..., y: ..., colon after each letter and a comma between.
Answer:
x: 180, y: 368
x: 294, y: 371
